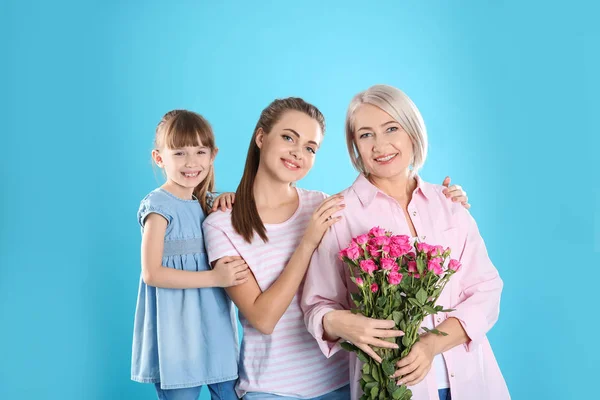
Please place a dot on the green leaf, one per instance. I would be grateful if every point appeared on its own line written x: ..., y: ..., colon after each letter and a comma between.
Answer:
x: 405, y: 341
x: 349, y: 347
x: 387, y: 367
x: 403, y: 326
x: 369, y: 386
x: 366, y: 369
x: 382, y: 395
x: 421, y: 296
x: 381, y: 301
x: 414, y: 302
x: 397, y: 317
x: 374, y: 391
x: 362, y: 356
x: 368, y: 378
x: 420, y: 265
x: 355, y: 311
x: 399, y: 392
x: 449, y: 310
x: 376, y: 374
x: 429, y: 309
x: 434, y: 331
x: 391, y: 386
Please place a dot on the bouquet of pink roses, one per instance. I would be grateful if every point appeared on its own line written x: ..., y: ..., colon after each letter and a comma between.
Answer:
x: 401, y: 281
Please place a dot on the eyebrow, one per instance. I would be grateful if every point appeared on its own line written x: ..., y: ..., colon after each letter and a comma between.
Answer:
x: 384, y: 124
x: 298, y: 136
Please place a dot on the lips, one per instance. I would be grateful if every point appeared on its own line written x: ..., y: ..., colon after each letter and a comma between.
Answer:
x: 386, y: 159
x: 191, y: 174
x: 289, y: 164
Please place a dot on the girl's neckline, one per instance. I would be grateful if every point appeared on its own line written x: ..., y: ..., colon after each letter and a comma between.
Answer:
x: 193, y: 199
x: 292, y: 217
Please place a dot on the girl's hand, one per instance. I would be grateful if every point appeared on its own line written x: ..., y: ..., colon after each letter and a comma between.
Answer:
x: 456, y: 193
x: 230, y: 271
x: 361, y: 331
x: 224, y: 201
x: 322, y: 219
x: 413, y: 368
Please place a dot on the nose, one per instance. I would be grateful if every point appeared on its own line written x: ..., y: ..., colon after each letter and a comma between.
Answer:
x: 379, y: 142
x: 296, y: 153
x: 190, y: 161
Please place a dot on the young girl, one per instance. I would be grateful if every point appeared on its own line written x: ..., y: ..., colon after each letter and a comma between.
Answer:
x: 276, y: 227
x: 185, y: 332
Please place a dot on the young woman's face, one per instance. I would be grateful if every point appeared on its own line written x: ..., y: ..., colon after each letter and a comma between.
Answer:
x: 288, y: 151
x: 384, y: 147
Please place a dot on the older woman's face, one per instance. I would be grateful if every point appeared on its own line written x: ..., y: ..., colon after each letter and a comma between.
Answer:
x: 385, y: 148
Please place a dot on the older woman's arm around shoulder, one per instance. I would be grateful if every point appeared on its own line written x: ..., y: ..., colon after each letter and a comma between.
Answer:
x: 476, y: 310
x: 326, y: 308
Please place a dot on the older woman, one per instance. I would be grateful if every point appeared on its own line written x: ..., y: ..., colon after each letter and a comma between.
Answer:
x: 387, y: 142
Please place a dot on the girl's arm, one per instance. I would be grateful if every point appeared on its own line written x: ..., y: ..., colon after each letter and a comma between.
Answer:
x: 264, y: 309
x: 227, y: 272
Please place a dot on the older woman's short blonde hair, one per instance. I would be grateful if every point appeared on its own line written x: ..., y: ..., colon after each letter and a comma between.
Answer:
x: 400, y: 107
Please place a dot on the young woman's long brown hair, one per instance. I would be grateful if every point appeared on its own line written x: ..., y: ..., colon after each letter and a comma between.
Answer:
x: 244, y: 217
x: 181, y: 128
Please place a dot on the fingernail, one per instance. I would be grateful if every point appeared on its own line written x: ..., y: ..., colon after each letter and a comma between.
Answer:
x: 399, y: 383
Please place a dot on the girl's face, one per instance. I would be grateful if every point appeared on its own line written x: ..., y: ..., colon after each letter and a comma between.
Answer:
x: 185, y: 167
x: 384, y: 147
x: 288, y: 152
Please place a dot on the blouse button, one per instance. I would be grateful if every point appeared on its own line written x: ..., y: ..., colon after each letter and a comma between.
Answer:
x: 414, y: 213
x: 452, y: 375
x: 423, y: 237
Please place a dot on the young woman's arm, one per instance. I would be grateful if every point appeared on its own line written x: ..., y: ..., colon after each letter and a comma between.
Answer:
x: 264, y: 309
x: 228, y: 271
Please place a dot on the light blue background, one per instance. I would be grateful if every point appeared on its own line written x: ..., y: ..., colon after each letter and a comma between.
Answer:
x: 508, y: 91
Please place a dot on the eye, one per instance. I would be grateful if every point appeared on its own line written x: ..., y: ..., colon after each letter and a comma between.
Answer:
x: 365, y: 135
x: 287, y: 138
x: 392, y: 129
x: 202, y: 152
x: 179, y: 153
x: 311, y: 150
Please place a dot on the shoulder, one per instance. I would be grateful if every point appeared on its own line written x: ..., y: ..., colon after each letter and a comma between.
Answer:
x: 158, y: 202
x: 312, y: 194
x: 435, y: 194
x: 218, y: 219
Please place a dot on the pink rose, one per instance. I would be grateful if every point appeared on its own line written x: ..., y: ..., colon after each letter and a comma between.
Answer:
x: 398, y: 250
x: 380, y: 241
x: 353, y: 252
x: 412, y: 267
x: 423, y: 247
x: 362, y: 239
x: 342, y: 254
x: 435, y: 266
x: 394, y: 278
x: 435, y: 251
x: 411, y: 255
x: 377, y: 231
x: 373, y: 251
x: 395, y: 268
x: 368, y: 266
x: 374, y: 287
x: 454, y: 265
x: 359, y: 282
x: 418, y: 276
x: 388, y: 263
x: 400, y: 240
x: 385, y: 249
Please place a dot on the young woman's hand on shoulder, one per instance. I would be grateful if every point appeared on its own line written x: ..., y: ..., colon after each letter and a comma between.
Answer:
x: 322, y: 219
